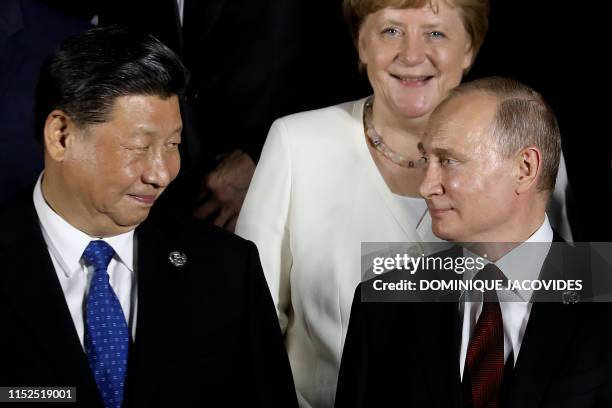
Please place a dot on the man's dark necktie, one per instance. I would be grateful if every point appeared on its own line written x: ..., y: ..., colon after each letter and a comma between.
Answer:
x: 484, y: 363
x: 106, y: 330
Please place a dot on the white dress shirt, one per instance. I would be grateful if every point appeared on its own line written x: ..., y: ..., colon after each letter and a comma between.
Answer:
x: 66, y: 245
x: 522, y: 263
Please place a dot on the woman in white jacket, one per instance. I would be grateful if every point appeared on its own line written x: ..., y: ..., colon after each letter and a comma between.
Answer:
x: 331, y: 179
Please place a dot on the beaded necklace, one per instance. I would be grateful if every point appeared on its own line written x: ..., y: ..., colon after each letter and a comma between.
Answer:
x: 379, y: 144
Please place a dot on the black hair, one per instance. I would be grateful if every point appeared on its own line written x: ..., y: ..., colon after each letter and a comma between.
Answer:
x: 89, y: 71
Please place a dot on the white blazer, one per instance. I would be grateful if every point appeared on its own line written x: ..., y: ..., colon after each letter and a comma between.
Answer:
x: 316, y: 195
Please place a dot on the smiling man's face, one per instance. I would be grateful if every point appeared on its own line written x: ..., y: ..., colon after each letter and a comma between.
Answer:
x: 112, y: 172
x: 469, y: 187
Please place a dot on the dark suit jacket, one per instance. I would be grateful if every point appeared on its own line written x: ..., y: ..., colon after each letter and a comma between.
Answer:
x: 206, y: 334
x: 29, y: 31
x: 407, y: 354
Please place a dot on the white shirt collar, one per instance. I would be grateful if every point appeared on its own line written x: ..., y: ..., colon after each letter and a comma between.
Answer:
x: 525, y: 261
x: 68, y: 243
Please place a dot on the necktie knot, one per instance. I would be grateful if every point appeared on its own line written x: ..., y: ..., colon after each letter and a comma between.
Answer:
x: 98, y: 254
x: 490, y: 274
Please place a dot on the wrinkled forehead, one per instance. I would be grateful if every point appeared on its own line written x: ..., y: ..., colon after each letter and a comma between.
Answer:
x: 461, y: 123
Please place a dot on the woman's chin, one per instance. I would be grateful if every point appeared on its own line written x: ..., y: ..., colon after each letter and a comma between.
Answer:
x: 415, y: 107
x: 416, y: 112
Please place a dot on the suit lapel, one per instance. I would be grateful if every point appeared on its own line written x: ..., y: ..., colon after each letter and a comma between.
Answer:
x: 441, y: 341
x: 441, y: 346
x: 30, y: 283
x: 142, y: 357
x: 150, y: 280
x: 157, y: 279
x: 542, y: 351
x: 549, y: 330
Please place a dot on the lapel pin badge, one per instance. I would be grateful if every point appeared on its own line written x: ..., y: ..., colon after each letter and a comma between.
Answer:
x: 177, y: 259
x: 570, y: 297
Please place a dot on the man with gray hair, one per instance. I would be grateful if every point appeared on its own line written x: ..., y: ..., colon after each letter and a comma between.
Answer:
x: 492, y: 151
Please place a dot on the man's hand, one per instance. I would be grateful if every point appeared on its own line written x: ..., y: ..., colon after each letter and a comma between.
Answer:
x: 224, y: 189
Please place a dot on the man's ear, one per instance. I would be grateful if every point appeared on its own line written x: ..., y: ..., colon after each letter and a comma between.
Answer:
x: 529, y: 166
x: 59, y: 133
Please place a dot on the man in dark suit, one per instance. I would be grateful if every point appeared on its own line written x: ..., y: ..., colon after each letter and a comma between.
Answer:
x: 131, y: 309
x: 29, y: 31
x: 492, y: 151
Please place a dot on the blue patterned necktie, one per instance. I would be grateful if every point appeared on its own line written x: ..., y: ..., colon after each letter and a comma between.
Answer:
x: 106, y: 330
